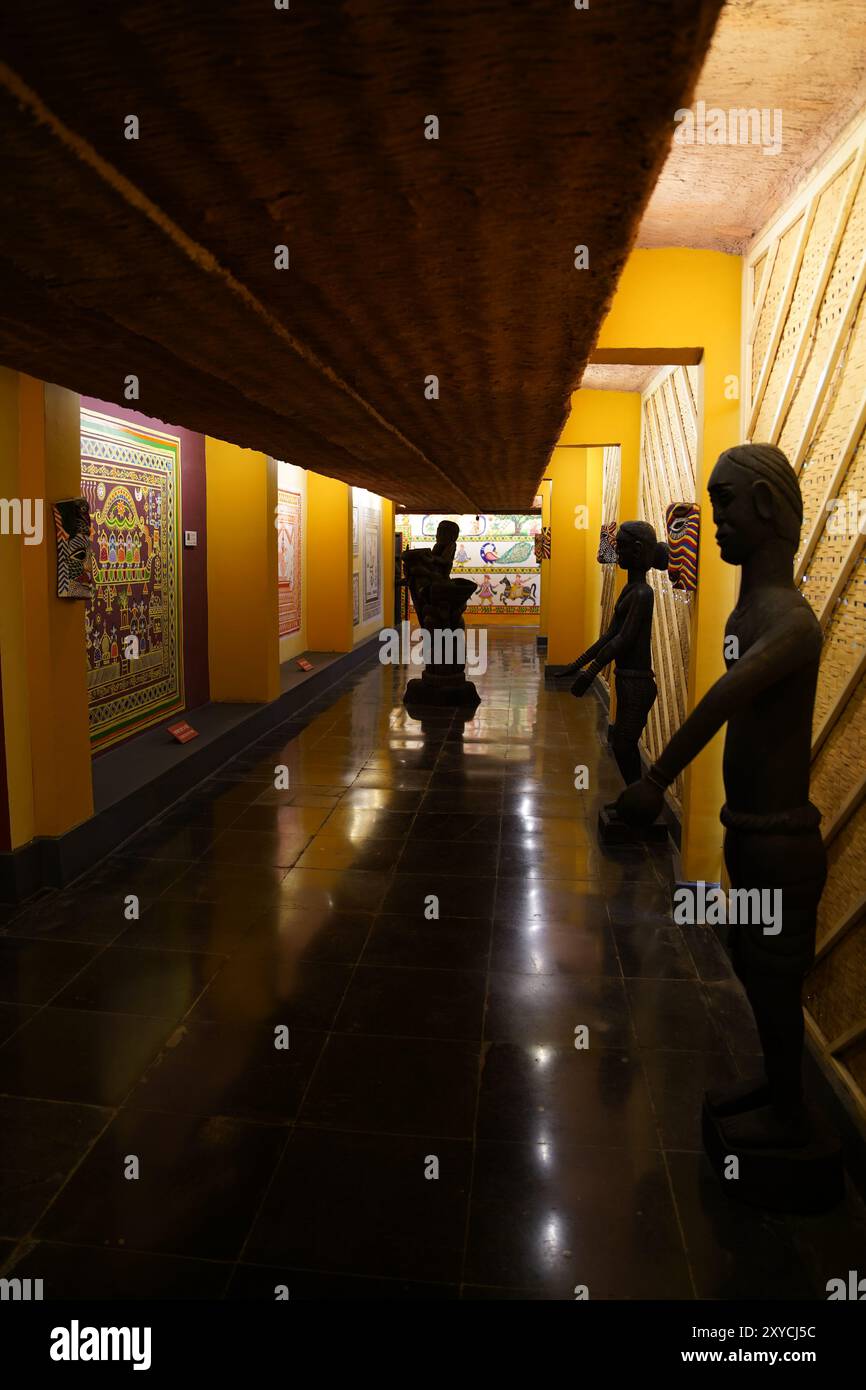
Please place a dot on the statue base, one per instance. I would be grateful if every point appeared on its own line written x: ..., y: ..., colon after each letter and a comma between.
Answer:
x: 614, y: 831
x: 804, y: 1180
x: 451, y: 690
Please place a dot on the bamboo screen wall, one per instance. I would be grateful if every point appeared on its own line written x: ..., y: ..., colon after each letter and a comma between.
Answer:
x: 609, y: 512
x: 805, y: 374
x: 669, y: 441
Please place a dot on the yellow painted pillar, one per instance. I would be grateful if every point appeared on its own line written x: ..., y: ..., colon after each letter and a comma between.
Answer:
x: 387, y: 563
x: 592, y: 569
x: 44, y: 668
x: 544, y: 567
x: 329, y: 564
x: 677, y: 298
x: 567, y: 636
x: 243, y: 599
x: 597, y: 418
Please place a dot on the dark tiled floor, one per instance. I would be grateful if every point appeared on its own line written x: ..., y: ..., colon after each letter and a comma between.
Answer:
x: 335, y: 1026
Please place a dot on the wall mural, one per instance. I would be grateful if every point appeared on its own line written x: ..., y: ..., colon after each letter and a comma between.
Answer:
x: 495, y: 550
x: 372, y: 563
x: 130, y: 477
x: 356, y: 599
x: 289, y: 560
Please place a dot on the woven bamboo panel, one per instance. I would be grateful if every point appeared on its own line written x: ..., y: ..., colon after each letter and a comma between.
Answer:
x: 668, y: 475
x: 609, y: 512
x: 833, y: 993
x: 832, y: 309
x: 773, y: 298
x: 846, y: 879
x: 827, y: 400
x: 855, y: 1061
x: 834, y: 542
x: 838, y: 418
x: 841, y: 761
x: 797, y: 319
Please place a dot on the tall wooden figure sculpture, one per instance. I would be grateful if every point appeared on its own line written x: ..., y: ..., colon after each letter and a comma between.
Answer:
x: 772, y: 836
x: 628, y: 643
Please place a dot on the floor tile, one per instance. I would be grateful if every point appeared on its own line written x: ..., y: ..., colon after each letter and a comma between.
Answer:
x: 230, y: 1069
x: 71, y: 1272
x: 454, y: 944
x: 395, y: 1085
x: 159, y: 984
x: 33, y: 972
x: 556, y: 1215
x: 361, y: 1204
x: 270, y: 989
x: 80, y: 1055
x: 413, y: 1003
x: 40, y: 1143
x: 545, y: 1010
x: 543, y: 1094
x: 200, y: 1183
x: 454, y: 896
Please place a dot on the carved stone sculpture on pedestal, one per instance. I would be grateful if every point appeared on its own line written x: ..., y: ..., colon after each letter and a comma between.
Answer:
x: 439, y: 603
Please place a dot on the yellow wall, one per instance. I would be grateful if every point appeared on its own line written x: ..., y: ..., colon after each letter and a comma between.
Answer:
x: 387, y: 562
x: 567, y: 635
x: 683, y: 298
x: 669, y: 299
x: 243, y: 624
x: 597, y: 418
x: 41, y: 636
x: 329, y: 564
x: 544, y: 565
x: 593, y: 571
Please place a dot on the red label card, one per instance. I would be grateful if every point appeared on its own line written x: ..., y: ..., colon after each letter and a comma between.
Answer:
x: 182, y: 731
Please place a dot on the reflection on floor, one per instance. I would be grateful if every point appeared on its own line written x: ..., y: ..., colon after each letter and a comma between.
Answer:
x: 431, y: 1130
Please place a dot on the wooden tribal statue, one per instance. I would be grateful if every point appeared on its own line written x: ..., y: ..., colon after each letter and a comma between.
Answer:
x: 772, y: 836
x: 627, y: 642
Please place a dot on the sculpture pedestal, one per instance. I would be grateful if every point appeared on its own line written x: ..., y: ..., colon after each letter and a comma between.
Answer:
x: 804, y: 1180
x: 614, y: 831
x: 446, y: 687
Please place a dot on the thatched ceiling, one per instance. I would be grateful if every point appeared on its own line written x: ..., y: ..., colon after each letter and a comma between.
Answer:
x: 408, y: 257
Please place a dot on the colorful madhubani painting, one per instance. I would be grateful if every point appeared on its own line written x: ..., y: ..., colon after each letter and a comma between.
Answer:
x: 495, y: 550
x: 372, y: 563
x: 289, y: 560
x: 133, y: 626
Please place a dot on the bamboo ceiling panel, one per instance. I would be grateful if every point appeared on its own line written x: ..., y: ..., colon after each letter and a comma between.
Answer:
x: 408, y: 257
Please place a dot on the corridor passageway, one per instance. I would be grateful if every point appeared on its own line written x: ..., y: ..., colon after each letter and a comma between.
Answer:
x: 431, y: 1129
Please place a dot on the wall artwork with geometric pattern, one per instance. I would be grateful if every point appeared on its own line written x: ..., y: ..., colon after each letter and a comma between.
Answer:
x: 133, y: 622
x: 289, y: 560
x: 372, y: 563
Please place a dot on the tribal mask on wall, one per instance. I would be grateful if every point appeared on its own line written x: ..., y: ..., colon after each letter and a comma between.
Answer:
x: 74, y: 560
x: 683, y: 522
x: 607, y: 544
